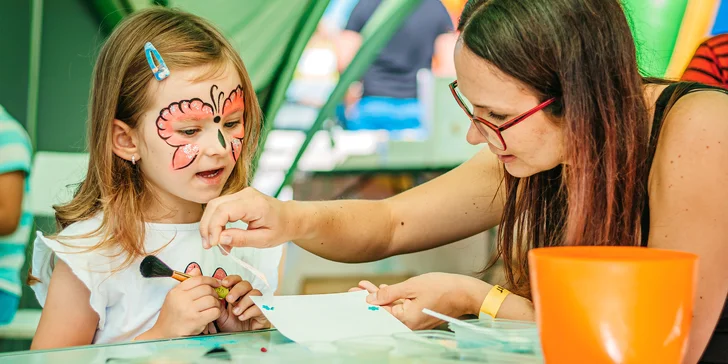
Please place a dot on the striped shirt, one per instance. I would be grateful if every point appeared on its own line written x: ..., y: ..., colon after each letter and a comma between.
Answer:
x: 15, y: 156
x: 710, y: 63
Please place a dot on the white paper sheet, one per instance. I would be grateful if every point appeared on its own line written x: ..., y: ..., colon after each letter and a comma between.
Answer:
x: 327, y: 317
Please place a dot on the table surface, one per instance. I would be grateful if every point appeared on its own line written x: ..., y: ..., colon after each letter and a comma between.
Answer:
x: 189, y: 349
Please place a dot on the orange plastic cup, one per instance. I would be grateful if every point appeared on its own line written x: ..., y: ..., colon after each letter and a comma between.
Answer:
x: 613, y: 304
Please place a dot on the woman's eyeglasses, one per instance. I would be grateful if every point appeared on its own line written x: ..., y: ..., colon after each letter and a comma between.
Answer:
x: 492, y: 132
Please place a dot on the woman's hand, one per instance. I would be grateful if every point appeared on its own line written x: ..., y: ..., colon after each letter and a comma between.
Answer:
x: 241, y: 314
x: 450, y: 294
x: 267, y: 222
x: 372, y: 288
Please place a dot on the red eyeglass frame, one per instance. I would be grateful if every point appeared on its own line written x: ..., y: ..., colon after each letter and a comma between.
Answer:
x: 478, y: 121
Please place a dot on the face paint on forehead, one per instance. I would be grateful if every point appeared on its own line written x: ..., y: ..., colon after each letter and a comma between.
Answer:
x: 234, y: 102
x: 194, y: 110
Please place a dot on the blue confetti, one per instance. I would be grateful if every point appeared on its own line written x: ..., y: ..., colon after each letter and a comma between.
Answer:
x: 268, y: 308
x: 373, y: 308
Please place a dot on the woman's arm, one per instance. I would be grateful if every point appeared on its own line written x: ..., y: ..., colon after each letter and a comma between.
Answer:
x: 456, y: 205
x: 689, y: 202
x: 67, y: 318
x: 461, y: 203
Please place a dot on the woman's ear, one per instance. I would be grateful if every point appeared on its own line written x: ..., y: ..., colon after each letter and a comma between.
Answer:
x: 125, y: 141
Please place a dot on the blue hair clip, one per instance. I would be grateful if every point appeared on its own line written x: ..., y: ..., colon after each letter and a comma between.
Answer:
x: 160, y: 70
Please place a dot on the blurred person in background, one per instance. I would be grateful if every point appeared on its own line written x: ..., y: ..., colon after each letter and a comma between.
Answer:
x: 15, y: 221
x: 386, y: 97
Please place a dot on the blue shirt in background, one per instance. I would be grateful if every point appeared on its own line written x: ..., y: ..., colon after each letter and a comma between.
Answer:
x: 15, y: 156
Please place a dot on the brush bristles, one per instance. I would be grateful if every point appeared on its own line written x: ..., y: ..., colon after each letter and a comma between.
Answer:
x: 152, y: 267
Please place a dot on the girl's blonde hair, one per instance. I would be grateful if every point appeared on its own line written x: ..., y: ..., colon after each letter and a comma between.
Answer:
x: 113, y: 186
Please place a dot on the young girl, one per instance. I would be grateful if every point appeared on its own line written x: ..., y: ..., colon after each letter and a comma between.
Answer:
x: 162, y: 144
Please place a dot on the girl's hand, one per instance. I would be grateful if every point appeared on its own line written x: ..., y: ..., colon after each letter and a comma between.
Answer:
x: 240, y: 313
x: 188, y: 308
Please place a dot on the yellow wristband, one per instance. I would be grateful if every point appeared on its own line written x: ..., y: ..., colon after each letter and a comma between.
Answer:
x: 493, y: 300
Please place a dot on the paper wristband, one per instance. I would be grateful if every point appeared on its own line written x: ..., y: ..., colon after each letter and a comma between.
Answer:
x: 493, y: 300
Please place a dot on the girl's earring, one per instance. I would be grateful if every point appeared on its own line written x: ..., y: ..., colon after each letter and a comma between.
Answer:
x: 133, y: 159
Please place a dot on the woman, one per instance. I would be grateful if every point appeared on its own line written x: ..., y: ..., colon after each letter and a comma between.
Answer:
x: 592, y: 154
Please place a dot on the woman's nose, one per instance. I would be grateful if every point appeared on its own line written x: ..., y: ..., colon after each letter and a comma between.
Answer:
x: 474, y: 136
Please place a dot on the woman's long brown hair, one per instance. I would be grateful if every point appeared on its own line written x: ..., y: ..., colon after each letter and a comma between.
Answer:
x: 581, y: 52
x: 113, y: 187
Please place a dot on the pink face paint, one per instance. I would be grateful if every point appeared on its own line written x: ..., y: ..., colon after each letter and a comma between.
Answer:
x: 220, y: 274
x: 185, y: 155
x: 178, y: 112
x: 235, y: 103
x: 192, y: 266
x: 194, y: 110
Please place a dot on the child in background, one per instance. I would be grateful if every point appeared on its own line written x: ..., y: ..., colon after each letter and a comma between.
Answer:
x: 173, y: 123
x: 15, y: 221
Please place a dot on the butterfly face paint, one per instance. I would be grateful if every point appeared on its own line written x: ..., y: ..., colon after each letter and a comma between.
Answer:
x: 198, y: 110
x: 234, y: 103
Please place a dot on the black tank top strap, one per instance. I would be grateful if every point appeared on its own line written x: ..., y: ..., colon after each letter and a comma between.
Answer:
x: 660, y: 107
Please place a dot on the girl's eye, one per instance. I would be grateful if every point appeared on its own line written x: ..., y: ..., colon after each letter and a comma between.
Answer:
x: 496, y: 116
x: 232, y: 124
x: 189, y: 132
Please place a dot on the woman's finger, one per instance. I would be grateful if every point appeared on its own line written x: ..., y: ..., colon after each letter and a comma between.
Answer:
x: 219, y: 212
x: 390, y: 294
x: 369, y: 286
x: 210, y: 211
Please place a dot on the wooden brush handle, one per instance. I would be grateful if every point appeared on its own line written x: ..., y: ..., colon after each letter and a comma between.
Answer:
x: 180, y: 276
x: 222, y: 292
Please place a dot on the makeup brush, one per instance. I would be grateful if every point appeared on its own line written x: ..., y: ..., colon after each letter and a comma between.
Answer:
x: 153, y: 267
